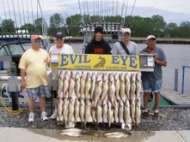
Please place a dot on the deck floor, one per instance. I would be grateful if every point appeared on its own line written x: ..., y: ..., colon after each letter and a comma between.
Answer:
x: 176, y: 97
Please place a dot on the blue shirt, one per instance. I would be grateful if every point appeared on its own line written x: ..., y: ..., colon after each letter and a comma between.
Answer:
x: 157, y: 74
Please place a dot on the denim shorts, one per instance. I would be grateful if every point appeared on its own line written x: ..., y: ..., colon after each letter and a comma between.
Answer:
x: 41, y: 91
x: 152, y: 86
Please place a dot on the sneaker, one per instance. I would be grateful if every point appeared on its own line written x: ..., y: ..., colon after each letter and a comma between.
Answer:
x: 31, y: 117
x: 156, y: 113
x: 145, y: 112
x: 54, y: 115
x: 44, y: 116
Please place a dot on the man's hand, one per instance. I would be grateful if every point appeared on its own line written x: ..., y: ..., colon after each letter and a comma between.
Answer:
x: 23, y: 83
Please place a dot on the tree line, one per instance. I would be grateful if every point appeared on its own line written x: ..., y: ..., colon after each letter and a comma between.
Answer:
x: 141, y: 26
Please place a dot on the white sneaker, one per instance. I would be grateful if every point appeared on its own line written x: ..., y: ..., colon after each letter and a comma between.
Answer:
x: 54, y: 115
x: 31, y: 117
x: 44, y: 116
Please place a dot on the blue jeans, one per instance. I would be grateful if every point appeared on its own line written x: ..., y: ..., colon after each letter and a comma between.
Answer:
x: 152, y: 86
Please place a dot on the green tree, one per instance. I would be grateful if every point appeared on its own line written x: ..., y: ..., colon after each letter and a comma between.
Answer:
x: 8, y: 26
x: 29, y: 27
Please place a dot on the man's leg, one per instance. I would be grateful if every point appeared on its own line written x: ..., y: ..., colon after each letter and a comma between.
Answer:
x: 30, y: 104
x: 145, y: 99
x: 157, y: 101
x: 42, y: 104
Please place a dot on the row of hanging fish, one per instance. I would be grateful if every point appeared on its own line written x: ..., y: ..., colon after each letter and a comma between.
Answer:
x: 99, y: 97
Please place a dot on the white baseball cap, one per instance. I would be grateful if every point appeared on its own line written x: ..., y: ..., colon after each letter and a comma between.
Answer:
x: 125, y: 30
x: 151, y: 37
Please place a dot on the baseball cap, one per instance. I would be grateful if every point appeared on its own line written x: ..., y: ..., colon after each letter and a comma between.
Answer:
x: 151, y: 37
x: 59, y: 35
x: 126, y: 30
x: 36, y: 37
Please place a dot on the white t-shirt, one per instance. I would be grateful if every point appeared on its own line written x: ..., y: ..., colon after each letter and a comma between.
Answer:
x: 117, y: 48
x: 66, y: 49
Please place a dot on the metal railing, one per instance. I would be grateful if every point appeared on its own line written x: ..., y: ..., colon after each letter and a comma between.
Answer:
x: 183, y: 78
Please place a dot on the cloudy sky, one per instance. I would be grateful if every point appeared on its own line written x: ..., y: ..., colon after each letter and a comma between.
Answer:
x: 176, y: 10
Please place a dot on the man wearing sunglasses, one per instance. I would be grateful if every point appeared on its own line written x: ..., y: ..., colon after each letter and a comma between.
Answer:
x: 33, y: 66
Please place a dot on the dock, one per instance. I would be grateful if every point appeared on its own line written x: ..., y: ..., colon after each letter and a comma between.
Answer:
x: 176, y: 98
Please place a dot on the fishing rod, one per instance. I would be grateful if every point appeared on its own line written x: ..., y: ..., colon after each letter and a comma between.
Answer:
x: 133, y: 7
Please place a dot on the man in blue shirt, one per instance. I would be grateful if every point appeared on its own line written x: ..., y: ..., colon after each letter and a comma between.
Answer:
x: 152, y: 81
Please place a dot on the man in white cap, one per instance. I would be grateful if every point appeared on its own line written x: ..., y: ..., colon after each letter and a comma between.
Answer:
x: 125, y: 46
x: 152, y: 81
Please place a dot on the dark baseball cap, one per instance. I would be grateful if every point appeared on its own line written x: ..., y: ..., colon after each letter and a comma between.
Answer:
x: 59, y: 35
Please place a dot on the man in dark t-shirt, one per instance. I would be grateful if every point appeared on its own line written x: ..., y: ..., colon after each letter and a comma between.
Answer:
x: 152, y: 81
x: 98, y: 45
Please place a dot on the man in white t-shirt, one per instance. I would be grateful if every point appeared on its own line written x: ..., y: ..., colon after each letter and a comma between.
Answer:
x: 125, y: 46
x: 59, y: 48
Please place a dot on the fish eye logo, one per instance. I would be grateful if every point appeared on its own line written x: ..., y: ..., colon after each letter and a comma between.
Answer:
x: 101, y: 63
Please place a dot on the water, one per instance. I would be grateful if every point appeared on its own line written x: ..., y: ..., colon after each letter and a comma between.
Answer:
x: 177, y: 56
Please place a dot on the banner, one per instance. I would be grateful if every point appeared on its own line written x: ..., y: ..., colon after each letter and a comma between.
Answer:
x: 96, y: 62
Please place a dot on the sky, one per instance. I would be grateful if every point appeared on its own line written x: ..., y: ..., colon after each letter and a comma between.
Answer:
x: 66, y: 7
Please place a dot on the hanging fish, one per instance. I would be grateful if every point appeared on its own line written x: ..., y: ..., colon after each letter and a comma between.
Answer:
x: 138, y: 98
x: 122, y: 87
x: 127, y: 85
x: 98, y: 90
x: 117, y: 85
x: 133, y: 96
x: 72, y: 97
x: 127, y: 115
x: 112, y: 90
x: 105, y: 110
x: 110, y: 114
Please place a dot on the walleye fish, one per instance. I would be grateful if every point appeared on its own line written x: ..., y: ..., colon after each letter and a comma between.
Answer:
x: 133, y: 96
x: 88, y: 86
x: 110, y: 114
x: 127, y: 115
x: 116, y: 112
x: 99, y: 114
x: 112, y: 89
x: 122, y: 87
x: 60, y: 110
x: 98, y: 90
x: 138, y: 85
x: 105, y: 89
x: 66, y: 84
x: 76, y: 113
x: 138, y: 113
x: 127, y: 85
x: 93, y: 85
x: 73, y: 132
x: 105, y: 110
x: 82, y: 85
x: 117, y: 85
x: 77, y: 84
x: 88, y: 116
x: 65, y: 110
x: 82, y: 110
x: 121, y: 112
x: 60, y: 85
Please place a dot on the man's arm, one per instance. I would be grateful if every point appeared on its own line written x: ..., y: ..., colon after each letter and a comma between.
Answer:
x: 23, y: 80
x: 161, y: 62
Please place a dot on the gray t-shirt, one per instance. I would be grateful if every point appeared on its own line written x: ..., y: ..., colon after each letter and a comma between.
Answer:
x: 13, y: 84
x: 157, y: 74
x: 117, y: 48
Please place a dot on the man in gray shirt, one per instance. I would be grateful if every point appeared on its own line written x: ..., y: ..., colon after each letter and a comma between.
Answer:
x: 125, y: 46
x: 152, y: 81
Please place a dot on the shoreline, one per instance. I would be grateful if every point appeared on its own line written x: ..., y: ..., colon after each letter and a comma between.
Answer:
x: 140, y: 40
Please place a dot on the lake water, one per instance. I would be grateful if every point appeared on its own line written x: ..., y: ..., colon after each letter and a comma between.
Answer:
x: 177, y: 56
